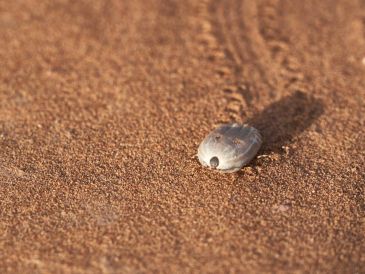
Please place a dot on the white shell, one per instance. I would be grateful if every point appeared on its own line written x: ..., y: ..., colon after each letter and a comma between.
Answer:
x: 229, y: 147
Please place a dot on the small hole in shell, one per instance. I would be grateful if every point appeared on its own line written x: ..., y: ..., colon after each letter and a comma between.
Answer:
x: 214, y: 162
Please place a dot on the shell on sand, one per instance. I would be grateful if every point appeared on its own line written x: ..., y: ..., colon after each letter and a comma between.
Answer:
x: 229, y: 147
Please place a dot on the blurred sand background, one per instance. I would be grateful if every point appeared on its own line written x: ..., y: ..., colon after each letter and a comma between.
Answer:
x: 103, y: 105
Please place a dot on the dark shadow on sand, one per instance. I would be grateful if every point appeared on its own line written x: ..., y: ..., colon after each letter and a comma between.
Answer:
x: 281, y: 121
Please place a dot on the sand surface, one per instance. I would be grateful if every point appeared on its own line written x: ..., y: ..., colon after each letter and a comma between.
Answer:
x: 103, y: 105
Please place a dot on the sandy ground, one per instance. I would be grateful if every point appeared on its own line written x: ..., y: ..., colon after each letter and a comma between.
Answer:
x: 103, y: 105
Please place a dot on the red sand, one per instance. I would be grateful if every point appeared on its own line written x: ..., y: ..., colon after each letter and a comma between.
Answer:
x: 103, y: 105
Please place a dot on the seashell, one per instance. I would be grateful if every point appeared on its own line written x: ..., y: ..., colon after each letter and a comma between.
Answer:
x: 229, y: 147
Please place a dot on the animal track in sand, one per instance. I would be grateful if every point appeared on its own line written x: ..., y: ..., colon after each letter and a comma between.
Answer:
x: 250, y: 45
x: 257, y: 48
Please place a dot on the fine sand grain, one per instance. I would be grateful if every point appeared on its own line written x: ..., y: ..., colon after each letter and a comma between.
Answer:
x: 104, y: 103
